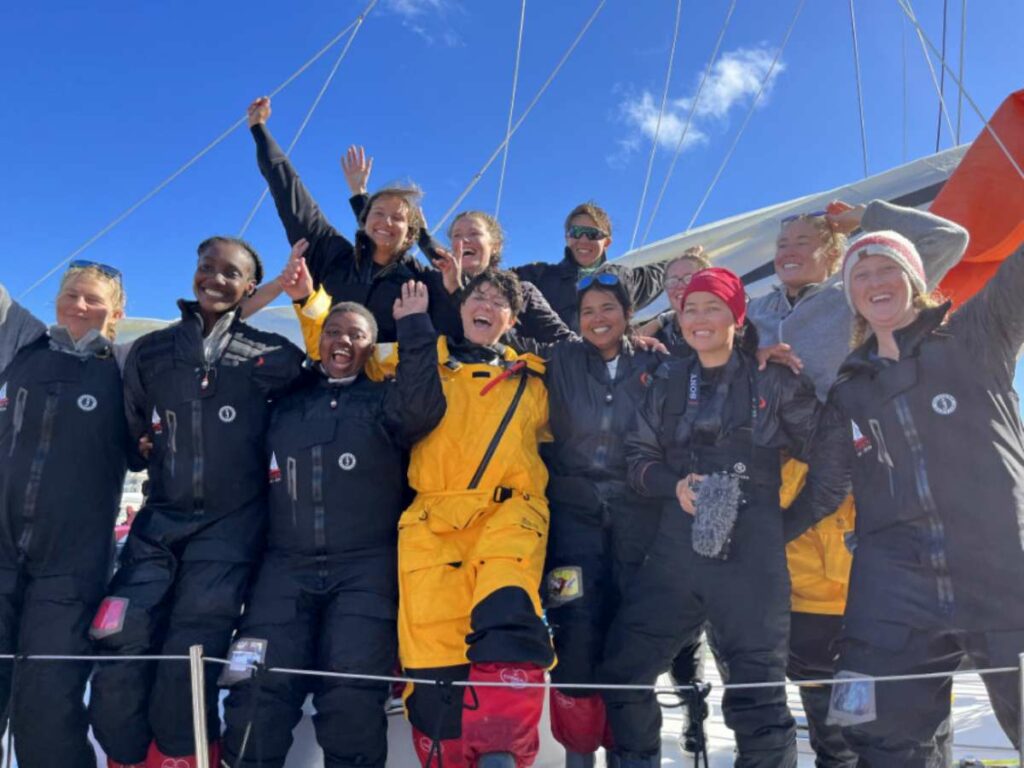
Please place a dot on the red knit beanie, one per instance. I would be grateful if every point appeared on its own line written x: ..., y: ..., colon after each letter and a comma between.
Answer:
x: 723, y: 283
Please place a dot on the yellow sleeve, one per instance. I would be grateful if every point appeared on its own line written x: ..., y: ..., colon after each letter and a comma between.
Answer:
x: 794, y: 475
x: 311, y: 320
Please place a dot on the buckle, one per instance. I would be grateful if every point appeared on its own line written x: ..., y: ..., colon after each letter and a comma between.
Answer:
x: 502, y: 494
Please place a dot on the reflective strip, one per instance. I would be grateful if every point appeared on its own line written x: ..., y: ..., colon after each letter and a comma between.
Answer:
x: 319, y: 535
x: 197, y: 457
x: 19, y: 415
x: 35, y: 472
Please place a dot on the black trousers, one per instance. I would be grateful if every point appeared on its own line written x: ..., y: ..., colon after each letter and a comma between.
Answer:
x: 339, y: 618
x: 745, y: 598
x: 178, y: 594
x: 911, y: 716
x: 47, y: 615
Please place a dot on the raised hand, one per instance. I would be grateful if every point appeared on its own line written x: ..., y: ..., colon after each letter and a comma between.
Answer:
x: 450, y: 265
x: 295, y: 279
x: 843, y: 217
x: 356, y: 167
x: 259, y: 111
x: 413, y: 301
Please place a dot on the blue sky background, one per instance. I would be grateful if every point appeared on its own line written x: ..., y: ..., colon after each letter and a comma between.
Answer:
x: 104, y: 100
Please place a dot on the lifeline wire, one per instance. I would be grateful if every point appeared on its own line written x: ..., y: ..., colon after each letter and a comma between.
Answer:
x: 750, y: 113
x: 312, y: 109
x: 977, y: 110
x: 942, y: 76
x: 689, y: 119
x: 963, y: 41
x: 195, y: 158
x: 511, y: 107
x: 928, y: 61
x: 657, y: 127
x: 477, y: 176
x: 860, y: 93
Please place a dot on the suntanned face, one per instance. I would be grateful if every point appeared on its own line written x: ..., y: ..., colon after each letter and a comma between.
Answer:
x: 800, y: 257
x: 586, y: 252
x: 346, y: 343
x: 86, y: 303
x: 602, y: 321
x: 882, y: 293
x: 486, y: 315
x: 387, y: 224
x: 224, y: 276
x: 708, y: 324
x: 477, y: 244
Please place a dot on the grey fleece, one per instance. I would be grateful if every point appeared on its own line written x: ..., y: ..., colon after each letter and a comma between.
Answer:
x: 18, y: 327
x: 819, y: 326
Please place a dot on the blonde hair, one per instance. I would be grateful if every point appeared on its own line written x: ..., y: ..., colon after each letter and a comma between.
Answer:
x: 862, y: 328
x: 493, y: 229
x: 113, y: 286
x: 695, y: 254
x: 833, y: 242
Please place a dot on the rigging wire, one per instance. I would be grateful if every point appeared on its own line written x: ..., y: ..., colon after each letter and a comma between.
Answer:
x: 860, y: 92
x: 194, y: 159
x: 909, y: 11
x: 494, y: 155
x: 511, y: 108
x: 689, y: 118
x: 928, y: 61
x: 960, y: 90
x: 750, y: 113
x: 903, y: 63
x: 942, y: 78
x: 657, y: 127
x: 312, y: 109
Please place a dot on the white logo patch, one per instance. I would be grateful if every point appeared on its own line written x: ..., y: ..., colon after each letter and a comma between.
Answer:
x: 739, y: 468
x: 944, y: 404
x: 87, y: 403
x: 347, y: 461
x: 227, y: 414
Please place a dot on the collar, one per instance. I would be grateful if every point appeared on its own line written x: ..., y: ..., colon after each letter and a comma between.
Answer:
x: 569, y: 265
x: 908, y: 339
x: 92, y: 344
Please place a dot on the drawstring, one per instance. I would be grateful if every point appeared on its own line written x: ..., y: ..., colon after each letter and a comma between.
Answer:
x: 9, y: 710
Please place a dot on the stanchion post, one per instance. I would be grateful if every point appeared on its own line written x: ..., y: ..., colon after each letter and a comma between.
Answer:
x: 195, y: 661
x: 1020, y: 714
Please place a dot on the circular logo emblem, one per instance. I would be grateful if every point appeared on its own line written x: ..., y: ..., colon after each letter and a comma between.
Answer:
x: 347, y: 461
x: 944, y: 404
x: 227, y: 414
x: 87, y: 403
x: 739, y: 468
x: 514, y: 677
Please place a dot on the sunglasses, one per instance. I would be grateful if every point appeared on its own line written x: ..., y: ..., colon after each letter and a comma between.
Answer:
x: 591, y: 233
x: 795, y: 216
x: 601, y: 278
x: 105, y: 269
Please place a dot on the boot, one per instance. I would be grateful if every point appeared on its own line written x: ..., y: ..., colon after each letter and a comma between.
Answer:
x: 496, y: 760
x: 112, y: 763
x: 689, y: 739
x: 579, y: 759
x: 633, y: 760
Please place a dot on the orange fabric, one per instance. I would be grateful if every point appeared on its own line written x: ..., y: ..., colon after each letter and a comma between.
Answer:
x: 985, y: 195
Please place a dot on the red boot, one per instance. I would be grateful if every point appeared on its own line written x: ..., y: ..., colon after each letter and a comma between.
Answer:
x: 505, y: 718
x: 157, y: 759
x: 446, y: 753
x: 577, y: 722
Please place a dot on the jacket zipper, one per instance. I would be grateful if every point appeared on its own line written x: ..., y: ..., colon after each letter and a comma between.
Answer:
x: 35, y: 473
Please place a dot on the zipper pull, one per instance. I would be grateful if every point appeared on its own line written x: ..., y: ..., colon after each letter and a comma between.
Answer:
x: 205, y: 382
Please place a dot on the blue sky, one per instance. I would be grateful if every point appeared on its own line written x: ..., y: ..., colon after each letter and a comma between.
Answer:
x: 104, y: 100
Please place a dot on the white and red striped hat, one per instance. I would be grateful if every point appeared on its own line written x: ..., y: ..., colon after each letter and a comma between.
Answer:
x: 886, y: 243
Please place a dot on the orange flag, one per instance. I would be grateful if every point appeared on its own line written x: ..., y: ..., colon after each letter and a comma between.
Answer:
x: 985, y: 194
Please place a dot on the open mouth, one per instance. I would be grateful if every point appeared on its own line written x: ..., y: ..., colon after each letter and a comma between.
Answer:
x: 880, y: 298
x: 479, y: 321
x: 341, y: 356
x: 703, y: 334
x: 213, y: 294
x: 788, y: 266
x: 600, y: 329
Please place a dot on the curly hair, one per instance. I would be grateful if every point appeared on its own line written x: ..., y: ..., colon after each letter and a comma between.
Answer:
x: 503, y: 281
x: 356, y: 309
x: 833, y: 242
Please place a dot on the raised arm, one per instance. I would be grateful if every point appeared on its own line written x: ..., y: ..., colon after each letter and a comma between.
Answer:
x: 646, y: 283
x: 18, y: 327
x: 539, y: 321
x: 298, y: 211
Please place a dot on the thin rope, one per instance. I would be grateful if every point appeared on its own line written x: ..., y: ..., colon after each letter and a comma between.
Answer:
x: 942, y: 78
x: 750, y: 114
x: 860, y: 92
x: 903, y: 62
x: 689, y: 118
x: 511, y: 108
x: 963, y: 43
x: 928, y: 61
x: 657, y: 127
x: 967, y: 95
x: 494, y: 156
x: 312, y: 109
x: 195, y: 158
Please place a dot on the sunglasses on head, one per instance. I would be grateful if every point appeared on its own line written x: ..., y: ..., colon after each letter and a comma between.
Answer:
x: 795, y: 216
x: 105, y: 269
x: 601, y: 278
x: 591, y: 233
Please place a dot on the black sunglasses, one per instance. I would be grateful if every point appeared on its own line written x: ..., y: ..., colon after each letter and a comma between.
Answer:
x: 591, y: 233
x: 105, y: 269
x: 601, y: 278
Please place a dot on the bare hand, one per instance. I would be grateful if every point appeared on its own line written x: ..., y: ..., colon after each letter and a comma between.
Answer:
x: 649, y: 344
x: 413, y: 301
x: 843, y: 217
x: 259, y: 111
x: 782, y: 354
x: 145, y: 446
x: 650, y: 328
x: 450, y: 265
x: 295, y: 279
x: 356, y: 167
x: 686, y: 493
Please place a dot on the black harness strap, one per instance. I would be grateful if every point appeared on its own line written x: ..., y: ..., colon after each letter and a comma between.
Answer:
x: 499, y: 433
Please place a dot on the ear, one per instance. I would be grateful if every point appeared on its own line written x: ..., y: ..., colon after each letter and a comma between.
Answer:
x: 607, y: 242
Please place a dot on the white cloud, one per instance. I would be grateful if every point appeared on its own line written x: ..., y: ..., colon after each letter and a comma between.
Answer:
x: 427, y: 18
x: 733, y: 82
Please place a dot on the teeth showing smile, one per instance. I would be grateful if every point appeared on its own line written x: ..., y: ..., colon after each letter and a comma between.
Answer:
x: 482, y: 321
x: 601, y: 329
x: 880, y: 298
x: 791, y: 265
x: 341, y: 355
x: 702, y: 334
x: 213, y: 294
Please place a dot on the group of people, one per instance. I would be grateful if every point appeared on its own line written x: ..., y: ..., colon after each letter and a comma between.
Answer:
x: 491, y: 476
